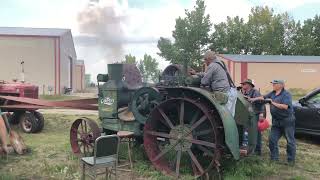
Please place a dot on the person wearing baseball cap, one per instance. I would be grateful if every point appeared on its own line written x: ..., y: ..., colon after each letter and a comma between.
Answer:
x: 218, y: 79
x: 283, y: 120
x: 249, y: 91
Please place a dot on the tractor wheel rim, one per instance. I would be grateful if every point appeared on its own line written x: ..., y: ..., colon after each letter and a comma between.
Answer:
x: 83, y: 134
x: 183, y: 134
x: 26, y: 124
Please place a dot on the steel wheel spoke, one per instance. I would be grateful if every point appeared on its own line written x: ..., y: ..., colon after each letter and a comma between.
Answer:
x: 194, y: 118
x: 200, y: 142
x: 165, y: 151
x: 178, y: 162
x: 88, y: 148
x: 201, y: 120
x: 194, y: 168
x: 203, y: 132
x: 90, y: 145
x: 85, y: 126
x: 181, y: 112
x: 195, y: 161
x: 159, y: 134
x: 81, y: 127
x: 205, y: 150
x: 79, y: 133
x: 165, y: 117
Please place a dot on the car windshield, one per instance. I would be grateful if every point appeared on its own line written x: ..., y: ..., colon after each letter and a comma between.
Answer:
x: 315, y: 100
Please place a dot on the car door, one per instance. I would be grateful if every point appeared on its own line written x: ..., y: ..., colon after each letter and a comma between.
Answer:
x: 303, y: 116
x: 307, y: 112
x: 313, y: 112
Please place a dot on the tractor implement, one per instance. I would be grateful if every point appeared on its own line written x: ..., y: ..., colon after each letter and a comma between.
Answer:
x: 16, y: 141
x: 23, y: 110
x: 20, y: 100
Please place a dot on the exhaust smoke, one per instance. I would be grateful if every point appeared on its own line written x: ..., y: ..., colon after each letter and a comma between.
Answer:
x: 101, y: 21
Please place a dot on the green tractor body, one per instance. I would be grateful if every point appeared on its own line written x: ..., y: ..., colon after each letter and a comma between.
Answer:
x: 176, y: 118
x: 116, y: 92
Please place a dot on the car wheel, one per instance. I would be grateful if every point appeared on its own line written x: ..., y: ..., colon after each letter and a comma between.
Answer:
x: 14, y: 118
x: 28, y: 122
x: 40, y: 121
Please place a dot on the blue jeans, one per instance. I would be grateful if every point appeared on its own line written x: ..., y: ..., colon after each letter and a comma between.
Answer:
x: 259, y: 140
x: 275, y: 135
x: 259, y: 143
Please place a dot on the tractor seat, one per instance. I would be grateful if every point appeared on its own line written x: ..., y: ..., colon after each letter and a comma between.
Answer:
x: 125, y: 114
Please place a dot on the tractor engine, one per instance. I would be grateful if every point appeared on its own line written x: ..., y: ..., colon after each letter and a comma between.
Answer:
x: 19, y: 89
x: 115, y: 93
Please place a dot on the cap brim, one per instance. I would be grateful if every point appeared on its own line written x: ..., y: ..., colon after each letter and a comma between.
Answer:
x: 247, y: 83
x: 276, y: 83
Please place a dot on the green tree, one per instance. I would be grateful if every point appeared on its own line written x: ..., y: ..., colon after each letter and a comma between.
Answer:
x: 290, y: 34
x: 265, y: 31
x: 316, y: 33
x: 149, y: 69
x: 230, y: 37
x: 305, y: 40
x: 191, y: 37
x: 142, y: 70
x: 168, y: 50
x: 308, y: 37
x: 129, y: 59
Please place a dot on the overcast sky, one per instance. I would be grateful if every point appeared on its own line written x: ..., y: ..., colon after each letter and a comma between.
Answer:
x: 142, y: 21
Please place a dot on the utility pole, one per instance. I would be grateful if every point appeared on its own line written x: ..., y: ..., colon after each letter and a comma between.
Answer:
x: 22, y: 71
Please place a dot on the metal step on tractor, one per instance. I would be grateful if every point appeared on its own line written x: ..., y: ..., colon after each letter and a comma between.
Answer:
x: 184, y: 128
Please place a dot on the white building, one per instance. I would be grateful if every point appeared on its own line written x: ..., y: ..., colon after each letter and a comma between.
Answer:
x: 49, y: 57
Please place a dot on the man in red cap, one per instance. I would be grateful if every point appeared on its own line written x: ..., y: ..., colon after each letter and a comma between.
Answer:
x: 249, y: 91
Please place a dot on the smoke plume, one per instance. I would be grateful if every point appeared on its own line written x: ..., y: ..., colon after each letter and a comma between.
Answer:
x: 100, y: 21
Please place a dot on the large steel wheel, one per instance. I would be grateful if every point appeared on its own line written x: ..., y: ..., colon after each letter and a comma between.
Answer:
x: 181, y: 137
x: 83, y: 134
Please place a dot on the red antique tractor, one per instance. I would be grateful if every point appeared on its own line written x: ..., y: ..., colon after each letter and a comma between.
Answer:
x: 30, y: 120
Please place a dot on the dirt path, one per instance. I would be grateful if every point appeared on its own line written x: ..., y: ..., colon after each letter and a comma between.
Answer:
x: 69, y: 111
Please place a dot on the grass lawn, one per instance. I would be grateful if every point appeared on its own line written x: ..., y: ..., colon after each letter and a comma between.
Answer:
x: 51, y: 158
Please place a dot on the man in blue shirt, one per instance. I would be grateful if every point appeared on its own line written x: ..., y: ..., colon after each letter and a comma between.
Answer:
x: 283, y: 121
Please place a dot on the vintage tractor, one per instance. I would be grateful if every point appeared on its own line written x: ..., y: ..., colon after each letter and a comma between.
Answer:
x: 184, y: 127
x: 30, y: 120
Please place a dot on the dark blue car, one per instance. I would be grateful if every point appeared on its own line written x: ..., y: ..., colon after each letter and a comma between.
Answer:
x: 307, y: 112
